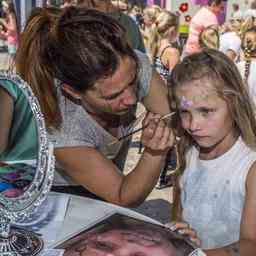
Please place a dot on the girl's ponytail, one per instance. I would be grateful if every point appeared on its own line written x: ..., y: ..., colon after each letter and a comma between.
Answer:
x: 249, y: 48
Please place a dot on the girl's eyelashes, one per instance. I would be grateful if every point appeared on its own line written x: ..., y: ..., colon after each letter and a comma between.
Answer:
x: 206, y: 111
x: 183, y: 112
x: 202, y: 111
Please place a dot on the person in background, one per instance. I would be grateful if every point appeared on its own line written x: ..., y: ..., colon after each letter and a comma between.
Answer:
x: 230, y: 41
x: 10, y: 30
x: 251, y: 12
x: 132, y: 30
x: 247, y: 66
x: 166, y: 54
x: 205, y: 17
x: 236, y: 12
x: 150, y: 14
x: 216, y: 188
x: 135, y: 14
x: 87, y: 91
x: 209, y: 38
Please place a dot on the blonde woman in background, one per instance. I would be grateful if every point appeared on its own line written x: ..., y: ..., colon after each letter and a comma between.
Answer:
x: 166, y: 55
x: 150, y: 14
x: 209, y: 38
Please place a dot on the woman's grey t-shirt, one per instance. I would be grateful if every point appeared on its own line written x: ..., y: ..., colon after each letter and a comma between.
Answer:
x: 79, y: 129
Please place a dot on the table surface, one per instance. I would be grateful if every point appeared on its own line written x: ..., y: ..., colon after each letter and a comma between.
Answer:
x: 83, y: 212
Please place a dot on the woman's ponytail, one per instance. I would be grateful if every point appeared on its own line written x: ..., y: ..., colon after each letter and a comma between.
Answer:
x: 33, y: 63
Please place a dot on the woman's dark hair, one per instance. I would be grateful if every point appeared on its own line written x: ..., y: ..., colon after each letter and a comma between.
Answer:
x: 78, y: 46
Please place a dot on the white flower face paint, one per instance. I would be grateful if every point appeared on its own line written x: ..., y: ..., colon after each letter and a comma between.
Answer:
x: 185, y: 103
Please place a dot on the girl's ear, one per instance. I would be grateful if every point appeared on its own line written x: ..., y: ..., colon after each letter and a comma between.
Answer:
x: 71, y: 91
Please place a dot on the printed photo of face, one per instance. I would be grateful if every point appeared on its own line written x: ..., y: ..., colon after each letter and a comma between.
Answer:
x: 122, y: 242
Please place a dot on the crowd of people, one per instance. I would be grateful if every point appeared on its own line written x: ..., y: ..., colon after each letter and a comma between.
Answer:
x: 89, y: 64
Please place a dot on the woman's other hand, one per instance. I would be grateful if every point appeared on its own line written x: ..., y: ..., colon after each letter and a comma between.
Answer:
x: 184, y: 228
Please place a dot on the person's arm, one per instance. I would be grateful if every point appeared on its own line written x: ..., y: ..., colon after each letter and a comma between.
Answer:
x: 246, y: 246
x: 171, y: 58
x: 12, y: 26
x: 231, y: 54
x: 89, y: 168
x: 6, y: 114
x: 234, y: 48
x: 3, y: 22
x: 157, y: 100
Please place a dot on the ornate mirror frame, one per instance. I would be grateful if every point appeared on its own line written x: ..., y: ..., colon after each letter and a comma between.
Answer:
x: 15, y: 209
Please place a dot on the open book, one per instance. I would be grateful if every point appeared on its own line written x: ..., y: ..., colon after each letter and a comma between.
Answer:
x: 120, y: 234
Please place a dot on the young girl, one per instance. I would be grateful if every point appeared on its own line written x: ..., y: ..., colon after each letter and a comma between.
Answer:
x: 10, y: 31
x: 166, y: 54
x: 247, y: 67
x: 217, y: 127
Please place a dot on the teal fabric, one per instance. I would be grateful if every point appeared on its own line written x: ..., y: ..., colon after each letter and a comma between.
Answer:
x: 23, y: 141
x: 132, y: 30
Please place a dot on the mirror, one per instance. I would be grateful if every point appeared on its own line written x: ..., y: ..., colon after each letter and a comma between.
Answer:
x: 26, y: 164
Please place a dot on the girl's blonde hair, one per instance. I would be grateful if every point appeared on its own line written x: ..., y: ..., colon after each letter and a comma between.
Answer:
x: 249, y: 49
x: 216, y: 67
x: 209, y: 38
x: 164, y: 22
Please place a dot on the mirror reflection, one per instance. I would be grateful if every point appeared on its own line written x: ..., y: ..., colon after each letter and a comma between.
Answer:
x: 15, y: 178
x: 18, y: 140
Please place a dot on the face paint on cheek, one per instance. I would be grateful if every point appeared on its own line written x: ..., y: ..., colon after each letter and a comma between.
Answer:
x: 185, y: 103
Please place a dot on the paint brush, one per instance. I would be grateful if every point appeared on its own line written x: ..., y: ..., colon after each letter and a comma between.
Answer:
x: 140, y: 129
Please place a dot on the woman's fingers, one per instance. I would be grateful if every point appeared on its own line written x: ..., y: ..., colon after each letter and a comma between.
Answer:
x: 157, y: 135
x: 149, y: 117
